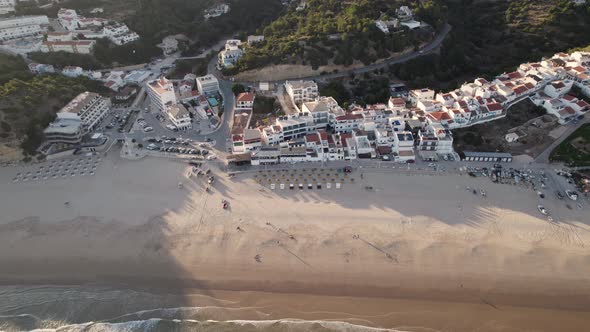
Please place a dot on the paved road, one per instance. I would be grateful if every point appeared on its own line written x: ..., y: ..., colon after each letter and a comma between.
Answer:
x: 544, y: 156
x: 430, y: 48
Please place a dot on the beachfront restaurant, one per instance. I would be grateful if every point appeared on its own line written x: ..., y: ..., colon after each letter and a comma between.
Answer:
x: 496, y: 157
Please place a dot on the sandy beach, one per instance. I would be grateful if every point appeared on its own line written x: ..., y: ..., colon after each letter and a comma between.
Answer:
x: 417, y: 253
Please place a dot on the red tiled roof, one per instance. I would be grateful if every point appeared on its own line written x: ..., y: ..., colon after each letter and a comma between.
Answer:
x: 529, y: 85
x: 323, y: 135
x: 312, y: 138
x: 514, y: 75
x: 245, y: 97
x: 440, y: 116
x: 558, y: 85
x: 520, y: 89
x: 569, y: 97
x: 494, y: 107
x: 568, y: 110
x: 397, y: 101
x: 344, y: 137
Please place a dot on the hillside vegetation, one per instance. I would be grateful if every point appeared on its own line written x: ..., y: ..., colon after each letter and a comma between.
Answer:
x: 339, y: 32
x: 491, y: 36
x: 156, y: 19
x: 28, y: 104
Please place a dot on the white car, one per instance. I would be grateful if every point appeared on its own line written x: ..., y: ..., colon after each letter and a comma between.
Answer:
x: 542, y: 209
x: 148, y: 129
x: 211, y: 157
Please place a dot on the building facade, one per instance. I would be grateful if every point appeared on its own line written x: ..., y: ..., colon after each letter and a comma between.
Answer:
x: 161, y: 92
x: 90, y: 107
x: 208, y: 85
x: 302, y: 91
x: 22, y: 27
x: 73, y: 46
x: 67, y: 128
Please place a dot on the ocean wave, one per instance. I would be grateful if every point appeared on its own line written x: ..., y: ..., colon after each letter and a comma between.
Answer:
x: 157, y: 325
x: 105, y: 309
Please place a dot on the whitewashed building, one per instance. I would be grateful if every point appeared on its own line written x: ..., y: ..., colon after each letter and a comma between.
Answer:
x: 22, y: 26
x: 161, y: 92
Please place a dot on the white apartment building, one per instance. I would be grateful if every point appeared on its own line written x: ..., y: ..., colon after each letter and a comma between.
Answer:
x: 59, y: 36
x: 320, y: 111
x: 249, y: 140
x: 90, y: 107
x: 421, y: 94
x: 272, y: 135
x: 179, y: 116
x: 229, y: 58
x: 68, y: 19
x: 125, y: 38
x: 293, y: 126
x: 7, y: 6
x: 22, y: 26
x: 39, y: 68
x: 245, y: 100
x: 404, y: 146
x: 208, y: 85
x: 302, y: 91
x: 67, y: 128
x: 161, y: 92
x: 120, y: 34
x: 253, y: 39
x: 231, y: 54
x: 73, y: 46
x: 72, y: 71
x: 216, y: 11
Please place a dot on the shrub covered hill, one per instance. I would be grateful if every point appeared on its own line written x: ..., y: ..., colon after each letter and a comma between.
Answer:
x: 28, y: 103
x: 493, y: 36
x: 339, y: 32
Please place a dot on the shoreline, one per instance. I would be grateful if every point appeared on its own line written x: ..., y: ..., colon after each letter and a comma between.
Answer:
x: 513, y: 293
x: 414, y: 244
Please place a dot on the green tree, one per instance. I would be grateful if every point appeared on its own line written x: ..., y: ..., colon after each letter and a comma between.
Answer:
x: 238, y: 88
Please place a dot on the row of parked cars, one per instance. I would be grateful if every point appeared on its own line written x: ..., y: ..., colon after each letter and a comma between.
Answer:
x: 120, y: 121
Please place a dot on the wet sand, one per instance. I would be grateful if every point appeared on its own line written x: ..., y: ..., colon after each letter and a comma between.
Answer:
x: 418, y: 253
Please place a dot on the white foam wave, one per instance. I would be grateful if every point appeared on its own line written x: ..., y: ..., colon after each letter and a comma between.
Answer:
x: 211, y: 325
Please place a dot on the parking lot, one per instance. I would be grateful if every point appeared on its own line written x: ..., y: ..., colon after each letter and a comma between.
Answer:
x: 184, y: 146
x: 59, y: 169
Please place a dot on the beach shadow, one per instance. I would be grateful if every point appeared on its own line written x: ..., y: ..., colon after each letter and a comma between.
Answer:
x: 111, y: 265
